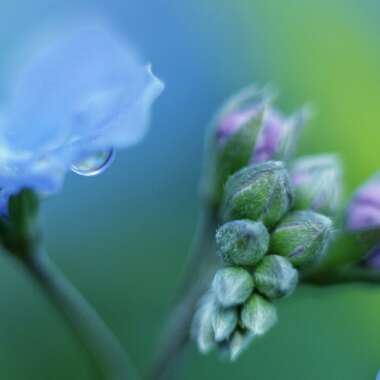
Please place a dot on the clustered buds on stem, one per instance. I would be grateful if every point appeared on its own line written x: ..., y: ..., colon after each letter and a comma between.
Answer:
x: 274, y: 222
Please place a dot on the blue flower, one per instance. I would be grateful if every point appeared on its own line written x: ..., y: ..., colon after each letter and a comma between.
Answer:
x: 69, y: 106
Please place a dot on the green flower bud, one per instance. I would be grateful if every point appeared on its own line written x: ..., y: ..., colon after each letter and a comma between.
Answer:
x: 233, y: 137
x: 202, y: 329
x: 275, y: 277
x: 258, y: 315
x: 23, y: 210
x: 19, y: 231
x: 224, y: 322
x: 239, y: 342
x: 302, y: 237
x: 258, y: 192
x: 242, y: 242
x: 232, y: 286
x: 317, y: 183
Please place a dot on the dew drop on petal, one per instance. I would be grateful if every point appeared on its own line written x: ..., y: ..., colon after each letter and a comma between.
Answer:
x: 94, y: 164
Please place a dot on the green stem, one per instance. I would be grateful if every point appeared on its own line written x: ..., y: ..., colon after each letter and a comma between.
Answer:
x: 108, y: 356
x: 196, y: 279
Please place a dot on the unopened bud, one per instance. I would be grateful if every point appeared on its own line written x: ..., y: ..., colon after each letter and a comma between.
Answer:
x: 233, y: 137
x: 302, y: 237
x: 201, y: 329
x: 279, y: 135
x: 259, y: 192
x: 364, y: 210
x: 19, y: 231
x: 317, y: 183
x: 275, y: 277
x: 239, y: 342
x: 224, y: 321
x: 232, y: 286
x: 258, y: 315
x: 242, y: 242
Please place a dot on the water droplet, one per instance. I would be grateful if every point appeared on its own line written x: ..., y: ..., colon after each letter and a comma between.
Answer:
x: 94, y: 164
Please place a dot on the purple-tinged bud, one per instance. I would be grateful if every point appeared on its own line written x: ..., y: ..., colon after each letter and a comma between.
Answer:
x: 364, y: 210
x: 317, y: 183
x: 240, y: 110
x: 233, y: 138
x: 372, y: 259
x: 278, y: 136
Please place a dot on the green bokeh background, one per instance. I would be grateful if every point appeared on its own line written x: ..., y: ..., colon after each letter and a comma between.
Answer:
x: 122, y: 237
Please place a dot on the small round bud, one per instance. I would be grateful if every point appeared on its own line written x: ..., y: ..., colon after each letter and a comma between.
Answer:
x: 201, y: 329
x: 275, y: 277
x: 278, y: 135
x: 224, y: 322
x: 232, y: 286
x: 239, y: 342
x: 242, y: 242
x: 258, y: 192
x: 317, y: 183
x: 302, y: 237
x: 258, y: 315
x: 364, y: 210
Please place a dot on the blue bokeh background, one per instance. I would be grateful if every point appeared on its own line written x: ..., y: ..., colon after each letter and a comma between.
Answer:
x: 122, y: 237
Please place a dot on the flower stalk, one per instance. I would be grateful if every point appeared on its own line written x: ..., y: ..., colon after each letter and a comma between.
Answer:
x: 20, y: 236
x: 199, y: 271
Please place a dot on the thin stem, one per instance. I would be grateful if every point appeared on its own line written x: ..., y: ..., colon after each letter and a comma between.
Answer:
x: 198, y: 272
x: 108, y: 356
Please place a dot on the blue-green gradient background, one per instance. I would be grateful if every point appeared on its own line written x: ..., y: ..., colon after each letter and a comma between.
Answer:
x: 122, y: 237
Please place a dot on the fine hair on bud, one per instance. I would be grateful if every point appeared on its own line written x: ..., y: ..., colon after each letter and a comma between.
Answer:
x: 202, y: 329
x: 232, y: 286
x: 242, y: 242
x: 258, y: 315
x: 224, y: 322
x: 302, y: 237
x: 275, y: 277
x: 259, y: 192
x: 239, y: 342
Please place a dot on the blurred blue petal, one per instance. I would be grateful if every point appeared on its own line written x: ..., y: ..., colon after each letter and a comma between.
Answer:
x: 84, y: 93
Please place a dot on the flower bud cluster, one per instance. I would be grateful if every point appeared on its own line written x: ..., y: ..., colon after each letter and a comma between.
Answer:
x: 248, y: 129
x: 275, y: 223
